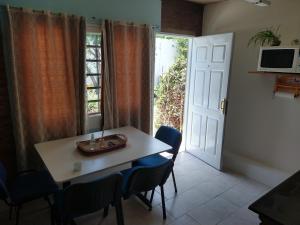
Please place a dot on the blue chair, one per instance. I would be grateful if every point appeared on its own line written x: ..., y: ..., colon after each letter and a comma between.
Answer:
x: 145, y: 178
x: 85, y: 198
x: 27, y: 186
x: 169, y: 136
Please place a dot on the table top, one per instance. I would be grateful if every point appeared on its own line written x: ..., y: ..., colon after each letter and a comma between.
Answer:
x: 60, y: 155
x: 282, y: 203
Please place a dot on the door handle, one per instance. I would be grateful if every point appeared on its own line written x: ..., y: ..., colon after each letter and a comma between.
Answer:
x: 223, y: 106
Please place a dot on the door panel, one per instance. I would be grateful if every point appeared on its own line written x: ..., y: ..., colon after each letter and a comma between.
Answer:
x: 215, y: 89
x: 196, y: 129
x: 202, y: 54
x: 218, y: 53
x: 199, y: 81
x: 211, y: 136
x: 207, y: 87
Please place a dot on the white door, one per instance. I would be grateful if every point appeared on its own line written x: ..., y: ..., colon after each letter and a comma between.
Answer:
x: 206, y: 96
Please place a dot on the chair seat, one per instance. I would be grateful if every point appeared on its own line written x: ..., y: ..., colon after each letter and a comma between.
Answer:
x: 151, y: 160
x: 31, y: 186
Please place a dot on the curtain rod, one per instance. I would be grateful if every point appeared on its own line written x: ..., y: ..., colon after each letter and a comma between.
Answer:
x: 139, y: 24
x: 92, y: 20
x: 38, y: 11
x: 95, y: 20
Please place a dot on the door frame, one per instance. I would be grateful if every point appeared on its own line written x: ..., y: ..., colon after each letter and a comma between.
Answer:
x: 186, y: 101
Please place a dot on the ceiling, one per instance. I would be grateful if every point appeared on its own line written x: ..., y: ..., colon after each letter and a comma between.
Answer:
x: 205, y: 1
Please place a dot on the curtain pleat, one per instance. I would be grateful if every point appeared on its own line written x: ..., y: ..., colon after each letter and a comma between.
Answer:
x: 45, y: 60
x: 127, y: 75
x: 7, y: 151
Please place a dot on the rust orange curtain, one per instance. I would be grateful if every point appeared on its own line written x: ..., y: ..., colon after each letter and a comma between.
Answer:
x: 45, y: 70
x: 127, y: 77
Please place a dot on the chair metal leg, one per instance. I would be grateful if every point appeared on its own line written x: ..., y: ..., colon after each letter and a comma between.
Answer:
x: 144, y: 200
x: 105, y: 212
x: 119, y: 213
x: 174, y: 181
x: 163, y: 201
x: 145, y: 194
x: 152, y: 195
x: 151, y: 199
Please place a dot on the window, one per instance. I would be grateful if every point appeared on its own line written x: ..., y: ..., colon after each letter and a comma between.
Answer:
x: 93, y: 72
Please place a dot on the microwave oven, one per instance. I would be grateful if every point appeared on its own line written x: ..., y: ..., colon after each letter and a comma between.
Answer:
x: 279, y: 59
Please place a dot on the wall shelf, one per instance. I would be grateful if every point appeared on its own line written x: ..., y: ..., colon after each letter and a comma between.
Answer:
x: 285, y: 82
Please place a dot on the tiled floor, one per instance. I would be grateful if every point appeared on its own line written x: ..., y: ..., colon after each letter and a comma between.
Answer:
x: 205, y: 197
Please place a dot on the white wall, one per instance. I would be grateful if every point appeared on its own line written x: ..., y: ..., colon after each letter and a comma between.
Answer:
x: 259, y: 127
x: 165, y: 56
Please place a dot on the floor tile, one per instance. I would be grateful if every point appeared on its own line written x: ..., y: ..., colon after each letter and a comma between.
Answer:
x: 221, y: 206
x: 185, y: 220
x: 210, y: 188
x: 205, y: 216
x: 241, y: 217
x: 239, y: 197
x: 185, y: 202
x: 213, y: 211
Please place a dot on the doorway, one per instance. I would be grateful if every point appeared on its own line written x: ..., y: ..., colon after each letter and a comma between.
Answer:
x: 171, y: 61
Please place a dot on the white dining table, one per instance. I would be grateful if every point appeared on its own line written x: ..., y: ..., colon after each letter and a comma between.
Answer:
x: 61, y: 156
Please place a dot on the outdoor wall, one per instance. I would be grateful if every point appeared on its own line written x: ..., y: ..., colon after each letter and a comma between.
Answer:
x: 141, y: 11
x: 165, y: 56
x: 259, y: 127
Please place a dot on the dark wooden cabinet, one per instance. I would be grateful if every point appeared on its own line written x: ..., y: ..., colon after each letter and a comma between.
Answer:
x: 281, y: 205
x: 181, y: 17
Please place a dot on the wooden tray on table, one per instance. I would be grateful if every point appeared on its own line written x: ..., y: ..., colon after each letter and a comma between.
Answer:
x: 102, y: 145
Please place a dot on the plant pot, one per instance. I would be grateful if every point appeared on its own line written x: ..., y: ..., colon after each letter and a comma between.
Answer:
x: 276, y: 42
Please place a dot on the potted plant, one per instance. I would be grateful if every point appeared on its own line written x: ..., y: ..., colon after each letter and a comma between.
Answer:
x: 266, y: 37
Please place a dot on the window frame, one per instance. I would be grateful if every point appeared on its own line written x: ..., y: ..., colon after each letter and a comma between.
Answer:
x: 96, y: 29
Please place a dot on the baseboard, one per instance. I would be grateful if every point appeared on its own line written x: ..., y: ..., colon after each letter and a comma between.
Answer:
x: 253, y: 169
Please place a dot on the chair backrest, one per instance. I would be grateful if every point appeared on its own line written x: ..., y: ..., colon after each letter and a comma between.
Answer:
x: 146, y: 178
x: 4, y: 195
x: 170, y: 136
x: 84, y: 198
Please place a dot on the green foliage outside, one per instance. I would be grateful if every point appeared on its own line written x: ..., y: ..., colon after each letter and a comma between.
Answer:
x: 93, y: 53
x: 170, y: 91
